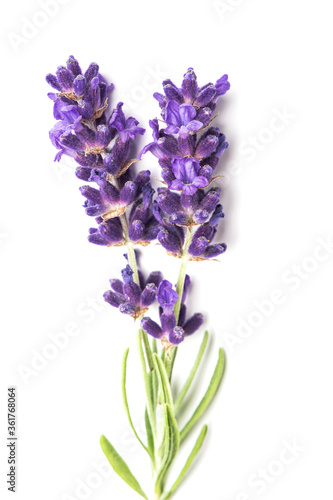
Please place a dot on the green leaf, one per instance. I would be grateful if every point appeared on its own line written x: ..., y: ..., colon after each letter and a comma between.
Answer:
x: 163, y: 380
x: 209, y: 395
x: 170, y: 361
x: 148, y: 385
x: 123, y: 390
x: 191, y: 376
x: 147, y: 350
x: 154, y: 346
x: 120, y: 467
x: 150, y: 437
x: 172, y: 442
x: 188, y: 463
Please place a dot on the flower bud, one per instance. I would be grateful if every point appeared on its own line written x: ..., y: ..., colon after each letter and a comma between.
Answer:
x: 206, y: 147
x: 176, y: 336
x: 148, y: 295
x: 91, y: 72
x: 151, y: 327
x: 73, y: 66
x: 128, y: 193
x: 79, y: 85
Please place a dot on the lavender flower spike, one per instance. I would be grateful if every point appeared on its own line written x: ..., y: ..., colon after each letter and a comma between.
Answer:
x: 169, y: 332
x: 101, y: 146
x: 131, y: 298
x: 188, y: 150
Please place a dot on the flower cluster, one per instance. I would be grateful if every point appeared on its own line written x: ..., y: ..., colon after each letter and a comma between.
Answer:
x: 188, y: 160
x: 131, y: 298
x: 170, y: 331
x: 101, y: 146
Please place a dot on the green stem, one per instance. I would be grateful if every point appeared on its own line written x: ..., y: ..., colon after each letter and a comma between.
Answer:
x: 148, y: 386
x: 130, y: 249
x: 170, y: 360
x: 129, y: 244
x: 182, y: 272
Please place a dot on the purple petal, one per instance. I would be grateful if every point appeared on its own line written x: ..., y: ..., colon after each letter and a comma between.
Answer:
x: 172, y: 114
x: 166, y: 296
x: 189, y: 189
x: 187, y: 112
x: 222, y: 85
x: 176, y: 185
x: 172, y: 129
x: 195, y: 125
x: 200, y: 182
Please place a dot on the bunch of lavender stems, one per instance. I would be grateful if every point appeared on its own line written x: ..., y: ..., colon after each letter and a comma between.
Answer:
x: 183, y: 218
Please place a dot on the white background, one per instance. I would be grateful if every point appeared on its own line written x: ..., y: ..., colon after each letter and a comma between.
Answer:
x: 277, y: 197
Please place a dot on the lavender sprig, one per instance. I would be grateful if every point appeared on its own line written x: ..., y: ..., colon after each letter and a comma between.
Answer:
x: 183, y: 218
x: 188, y: 150
x: 101, y: 145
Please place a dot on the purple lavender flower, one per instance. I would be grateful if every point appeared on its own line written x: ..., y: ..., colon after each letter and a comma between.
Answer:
x: 102, y: 148
x: 131, y: 298
x: 69, y: 122
x: 200, y: 247
x: 187, y: 173
x: 166, y: 296
x: 191, y: 93
x: 180, y: 119
x: 88, y: 91
x: 127, y: 128
x: 188, y: 161
x: 108, y: 233
x: 143, y: 227
x: 169, y: 332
